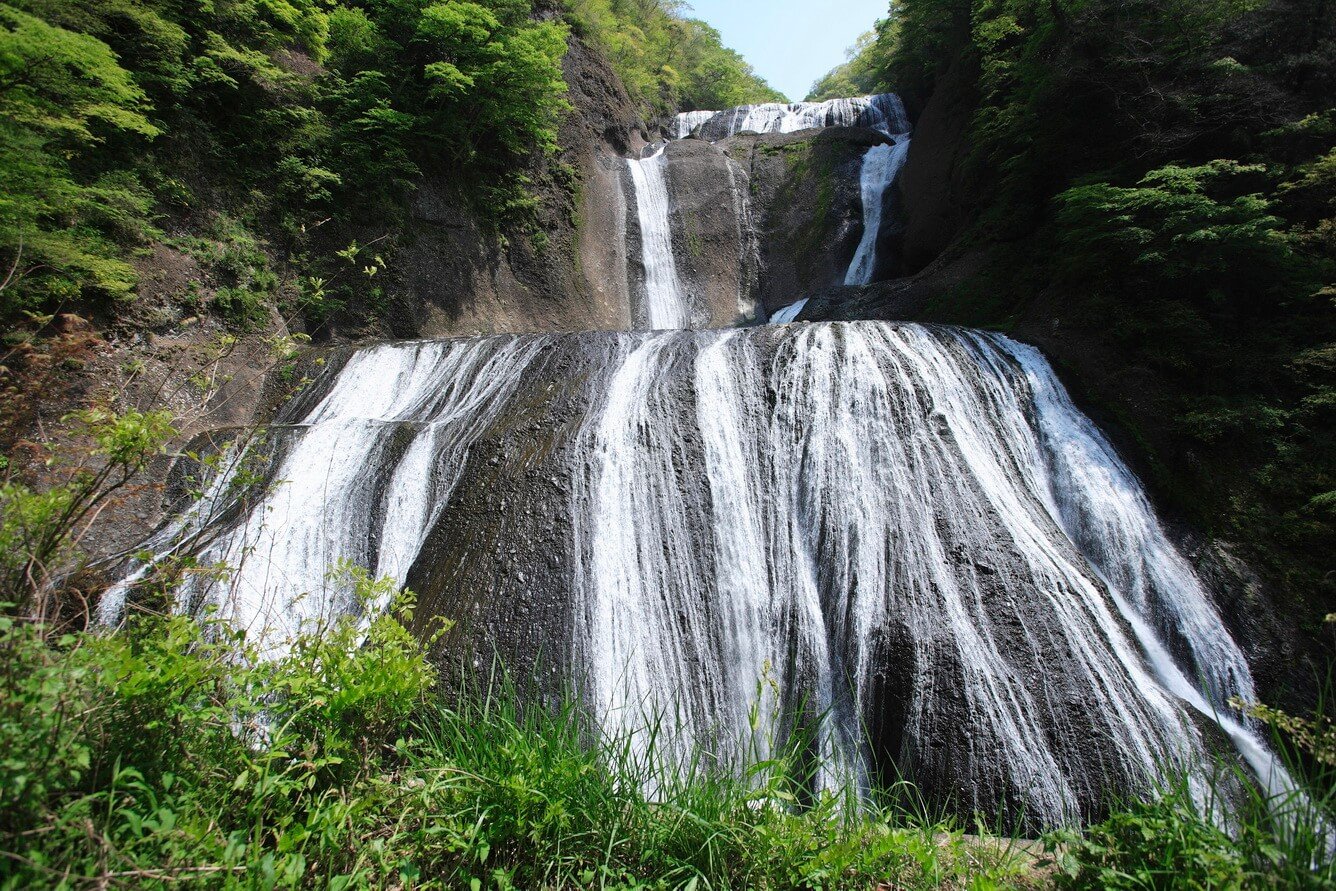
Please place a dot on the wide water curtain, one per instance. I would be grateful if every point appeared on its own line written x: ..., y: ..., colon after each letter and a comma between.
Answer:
x: 893, y: 512
x: 902, y: 540
x: 883, y: 112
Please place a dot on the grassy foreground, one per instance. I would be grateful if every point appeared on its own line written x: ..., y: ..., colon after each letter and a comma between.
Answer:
x: 161, y: 755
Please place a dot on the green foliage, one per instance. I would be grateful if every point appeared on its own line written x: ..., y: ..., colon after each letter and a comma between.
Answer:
x: 241, y: 307
x: 1219, y: 830
x: 668, y: 62
x: 169, y: 752
x: 39, y: 527
x: 149, y: 742
x: 61, y: 95
x: 1164, y: 843
x: 1316, y: 736
x: 1175, y: 228
x: 495, y: 74
x: 904, y: 53
x: 338, y: 686
x: 1174, y: 839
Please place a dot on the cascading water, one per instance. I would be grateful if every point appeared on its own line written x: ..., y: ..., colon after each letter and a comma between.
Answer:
x: 852, y: 526
x: 881, y: 165
x: 904, y: 541
x: 786, y: 314
x: 665, y: 303
x: 360, y: 476
x: 686, y: 123
x: 883, y: 112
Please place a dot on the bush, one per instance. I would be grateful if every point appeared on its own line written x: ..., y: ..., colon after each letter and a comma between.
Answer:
x: 63, y: 93
x: 168, y: 752
x: 1238, y: 838
x: 1179, y: 228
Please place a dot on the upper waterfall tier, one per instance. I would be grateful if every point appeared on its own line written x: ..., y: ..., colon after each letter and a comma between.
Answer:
x: 904, y: 538
x: 883, y: 112
x: 665, y: 303
x: 881, y: 165
x: 717, y: 234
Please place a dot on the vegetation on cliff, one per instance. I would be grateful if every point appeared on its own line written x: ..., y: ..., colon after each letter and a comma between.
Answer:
x: 1155, y: 184
x: 300, y: 122
x: 669, y: 62
x: 276, y: 144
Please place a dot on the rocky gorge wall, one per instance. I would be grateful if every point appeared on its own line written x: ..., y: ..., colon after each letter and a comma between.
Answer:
x: 452, y: 276
x: 954, y: 274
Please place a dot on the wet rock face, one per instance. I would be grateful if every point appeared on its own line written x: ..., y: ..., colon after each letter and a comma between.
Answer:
x: 506, y: 533
x: 759, y: 220
x: 806, y: 205
x: 452, y: 277
x: 713, y: 240
x: 933, y: 182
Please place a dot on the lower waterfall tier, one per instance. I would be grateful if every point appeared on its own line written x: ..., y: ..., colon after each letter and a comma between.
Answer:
x: 904, y: 538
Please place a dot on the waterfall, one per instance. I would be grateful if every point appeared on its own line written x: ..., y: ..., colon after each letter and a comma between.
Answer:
x: 881, y: 165
x: 880, y: 497
x: 362, y: 476
x: 903, y: 538
x: 786, y: 314
x: 685, y: 123
x: 901, y: 544
x: 665, y: 302
x: 884, y: 112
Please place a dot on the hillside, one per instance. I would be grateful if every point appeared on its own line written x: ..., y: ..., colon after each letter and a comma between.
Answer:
x: 505, y: 444
x: 1146, y: 192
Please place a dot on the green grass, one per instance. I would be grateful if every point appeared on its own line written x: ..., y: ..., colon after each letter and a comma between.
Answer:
x: 167, y: 753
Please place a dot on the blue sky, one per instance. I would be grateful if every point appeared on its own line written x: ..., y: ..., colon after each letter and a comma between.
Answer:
x: 790, y: 42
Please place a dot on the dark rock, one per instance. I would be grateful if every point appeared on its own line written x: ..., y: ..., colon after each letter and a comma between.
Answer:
x: 932, y: 183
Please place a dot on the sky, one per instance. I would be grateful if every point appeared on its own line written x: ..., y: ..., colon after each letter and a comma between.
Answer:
x: 790, y: 43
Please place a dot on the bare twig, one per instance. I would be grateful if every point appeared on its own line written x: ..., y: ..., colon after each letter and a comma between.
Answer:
x: 18, y: 258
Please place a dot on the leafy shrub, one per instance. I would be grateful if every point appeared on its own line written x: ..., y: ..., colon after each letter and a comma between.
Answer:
x: 1179, y: 228
x: 1164, y: 843
x: 168, y: 752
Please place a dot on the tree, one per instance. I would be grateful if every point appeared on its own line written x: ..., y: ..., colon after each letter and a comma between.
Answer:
x: 61, y: 93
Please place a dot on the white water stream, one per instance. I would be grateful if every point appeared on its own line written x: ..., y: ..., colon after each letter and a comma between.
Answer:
x: 665, y: 304
x: 881, y: 165
x: 905, y: 539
